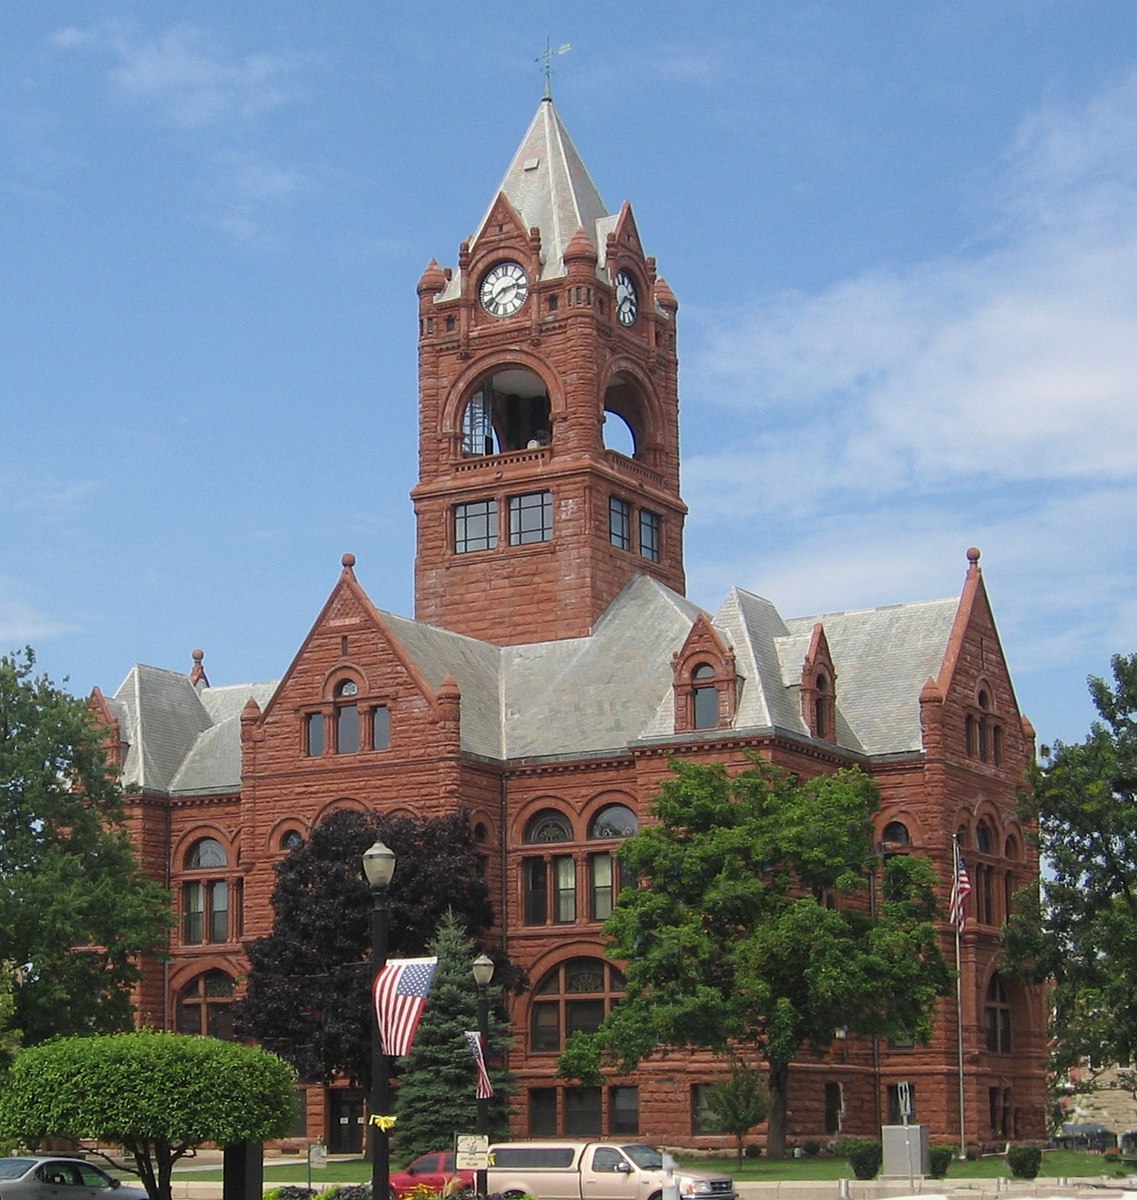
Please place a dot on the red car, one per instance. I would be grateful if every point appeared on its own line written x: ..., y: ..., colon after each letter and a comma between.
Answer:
x: 434, y: 1170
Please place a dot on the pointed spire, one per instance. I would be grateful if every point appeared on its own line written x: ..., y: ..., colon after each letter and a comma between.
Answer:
x: 549, y: 186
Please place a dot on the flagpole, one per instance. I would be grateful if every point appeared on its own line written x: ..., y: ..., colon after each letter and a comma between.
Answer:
x: 957, y: 923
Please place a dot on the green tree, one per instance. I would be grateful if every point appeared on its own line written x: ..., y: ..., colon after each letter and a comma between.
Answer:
x: 751, y: 928
x: 157, y: 1094
x: 308, y: 996
x: 435, y: 1098
x: 739, y: 1103
x: 10, y: 1037
x: 1079, y: 929
x: 76, y: 912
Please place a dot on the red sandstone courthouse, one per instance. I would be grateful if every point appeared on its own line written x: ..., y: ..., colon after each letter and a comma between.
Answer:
x: 553, y: 666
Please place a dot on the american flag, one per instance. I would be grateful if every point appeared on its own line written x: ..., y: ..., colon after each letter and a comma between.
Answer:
x: 399, y: 996
x: 483, y: 1089
x: 960, y: 890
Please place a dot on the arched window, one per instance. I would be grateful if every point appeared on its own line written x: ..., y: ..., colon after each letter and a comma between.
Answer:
x: 205, y: 1006
x: 548, y: 826
x: 604, y: 878
x: 508, y: 411
x: 292, y: 840
x: 983, y: 839
x: 347, y: 717
x: 548, y: 880
x: 706, y: 697
x: 206, y: 915
x: 576, y: 995
x: 997, y: 1017
x: 896, y: 834
x: 206, y: 852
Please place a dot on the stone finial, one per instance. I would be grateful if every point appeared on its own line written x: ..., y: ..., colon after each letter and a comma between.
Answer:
x: 580, y: 249
x: 973, y: 556
x: 348, y: 564
x: 433, y: 280
x: 665, y: 297
x: 197, y: 675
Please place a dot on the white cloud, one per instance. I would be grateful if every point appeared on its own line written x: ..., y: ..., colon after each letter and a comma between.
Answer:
x: 185, y: 76
x: 1015, y: 359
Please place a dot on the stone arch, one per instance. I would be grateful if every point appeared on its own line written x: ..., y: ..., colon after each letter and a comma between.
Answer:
x: 503, y: 406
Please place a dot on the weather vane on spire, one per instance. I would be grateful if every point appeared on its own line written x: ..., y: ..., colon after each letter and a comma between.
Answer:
x: 548, y: 57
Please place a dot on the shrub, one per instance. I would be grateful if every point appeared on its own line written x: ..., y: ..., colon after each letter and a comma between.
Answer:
x: 939, y: 1159
x: 864, y: 1155
x: 1024, y: 1161
x: 810, y: 1148
x: 289, y: 1191
x: 753, y: 1150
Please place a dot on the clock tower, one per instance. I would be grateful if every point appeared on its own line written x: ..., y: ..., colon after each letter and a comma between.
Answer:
x: 548, y: 410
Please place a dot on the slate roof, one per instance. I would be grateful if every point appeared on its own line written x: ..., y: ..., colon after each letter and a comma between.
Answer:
x: 581, y: 697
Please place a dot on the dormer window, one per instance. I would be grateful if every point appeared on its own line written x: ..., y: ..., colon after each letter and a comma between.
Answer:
x: 704, y: 680
x: 822, y: 709
x: 705, y: 697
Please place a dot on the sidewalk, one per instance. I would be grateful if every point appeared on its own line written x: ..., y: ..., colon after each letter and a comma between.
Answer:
x: 184, y: 1188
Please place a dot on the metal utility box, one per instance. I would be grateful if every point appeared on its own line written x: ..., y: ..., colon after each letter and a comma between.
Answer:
x: 905, y: 1150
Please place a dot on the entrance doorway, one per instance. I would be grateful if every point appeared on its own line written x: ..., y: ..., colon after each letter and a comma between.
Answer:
x: 346, y: 1113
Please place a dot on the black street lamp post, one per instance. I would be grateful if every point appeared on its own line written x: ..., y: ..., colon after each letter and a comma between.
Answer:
x: 379, y: 866
x: 483, y: 973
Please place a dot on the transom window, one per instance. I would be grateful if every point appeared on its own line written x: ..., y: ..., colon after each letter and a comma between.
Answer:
x: 530, y: 518
x: 206, y: 853
x: 548, y: 826
x: 613, y: 821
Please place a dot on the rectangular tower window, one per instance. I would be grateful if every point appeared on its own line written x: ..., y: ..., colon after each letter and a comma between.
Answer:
x: 314, y: 728
x: 651, y: 525
x: 619, y: 523
x: 564, y: 866
x: 536, y: 876
x: 530, y: 518
x: 475, y: 526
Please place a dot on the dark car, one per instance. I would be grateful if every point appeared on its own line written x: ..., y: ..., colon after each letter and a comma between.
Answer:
x: 37, y: 1177
x: 436, y: 1170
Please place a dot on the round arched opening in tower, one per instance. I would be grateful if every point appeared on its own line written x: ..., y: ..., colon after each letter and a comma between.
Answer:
x: 508, y: 410
x: 624, y: 417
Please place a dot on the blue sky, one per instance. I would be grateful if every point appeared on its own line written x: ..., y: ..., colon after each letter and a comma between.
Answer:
x: 903, y: 237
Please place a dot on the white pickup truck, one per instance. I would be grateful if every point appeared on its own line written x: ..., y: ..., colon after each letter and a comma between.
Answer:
x: 582, y: 1170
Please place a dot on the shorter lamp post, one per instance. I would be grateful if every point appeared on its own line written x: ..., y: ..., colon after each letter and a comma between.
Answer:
x: 483, y: 973
x: 378, y: 866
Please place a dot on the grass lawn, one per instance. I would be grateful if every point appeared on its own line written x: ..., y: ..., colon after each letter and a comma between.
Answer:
x: 1055, y: 1164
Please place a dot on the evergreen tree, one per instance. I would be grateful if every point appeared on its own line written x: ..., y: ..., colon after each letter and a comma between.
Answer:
x: 435, y: 1098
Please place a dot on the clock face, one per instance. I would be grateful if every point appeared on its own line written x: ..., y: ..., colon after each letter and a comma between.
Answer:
x: 504, y: 289
x: 627, y: 301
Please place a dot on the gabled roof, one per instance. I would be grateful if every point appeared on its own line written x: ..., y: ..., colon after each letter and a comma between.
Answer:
x: 549, y: 185
x: 584, y: 696
x: 171, y: 730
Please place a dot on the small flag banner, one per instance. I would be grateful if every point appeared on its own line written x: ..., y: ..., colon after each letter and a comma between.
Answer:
x: 960, y: 890
x: 399, y: 996
x: 483, y: 1089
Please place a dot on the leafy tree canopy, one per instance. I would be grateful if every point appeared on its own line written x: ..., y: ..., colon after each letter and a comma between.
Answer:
x: 436, y: 1098
x: 751, y: 927
x: 76, y: 911
x: 157, y: 1094
x: 308, y: 996
x: 1081, y: 932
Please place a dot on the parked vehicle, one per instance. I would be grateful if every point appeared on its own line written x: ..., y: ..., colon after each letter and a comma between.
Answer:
x: 42, y: 1178
x: 584, y: 1170
x: 435, y: 1170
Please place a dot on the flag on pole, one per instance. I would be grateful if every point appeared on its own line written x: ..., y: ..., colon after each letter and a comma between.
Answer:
x: 399, y: 996
x: 960, y: 890
x: 483, y: 1089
